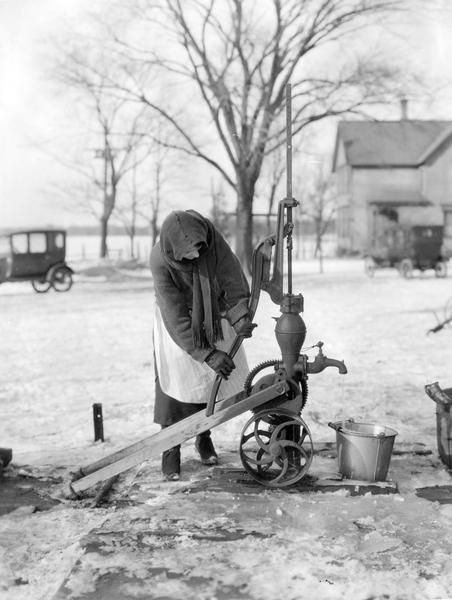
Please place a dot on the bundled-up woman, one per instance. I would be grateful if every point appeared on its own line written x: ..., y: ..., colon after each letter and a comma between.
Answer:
x: 201, y: 304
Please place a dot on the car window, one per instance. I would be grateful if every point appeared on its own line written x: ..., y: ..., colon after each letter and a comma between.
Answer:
x: 58, y: 240
x: 20, y: 243
x: 5, y: 247
x: 38, y: 243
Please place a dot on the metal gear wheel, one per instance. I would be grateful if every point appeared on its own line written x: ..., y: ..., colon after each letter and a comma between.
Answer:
x: 276, y: 448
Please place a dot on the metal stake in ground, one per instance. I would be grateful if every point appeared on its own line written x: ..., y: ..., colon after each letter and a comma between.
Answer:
x: 98, y: 422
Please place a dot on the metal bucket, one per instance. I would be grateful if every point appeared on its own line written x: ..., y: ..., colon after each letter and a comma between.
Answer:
x: 363, y: 449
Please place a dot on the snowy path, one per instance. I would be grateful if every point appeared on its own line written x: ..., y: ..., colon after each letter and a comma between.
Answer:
x: 63, y: 352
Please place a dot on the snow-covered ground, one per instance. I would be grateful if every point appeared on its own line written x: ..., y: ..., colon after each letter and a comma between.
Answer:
x: 205, y: 538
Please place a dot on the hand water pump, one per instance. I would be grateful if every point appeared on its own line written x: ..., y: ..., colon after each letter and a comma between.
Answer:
x: 276, y: 446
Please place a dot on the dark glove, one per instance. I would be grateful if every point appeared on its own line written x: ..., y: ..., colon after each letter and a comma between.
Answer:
x: 244, y: 327
x: 221, y: 363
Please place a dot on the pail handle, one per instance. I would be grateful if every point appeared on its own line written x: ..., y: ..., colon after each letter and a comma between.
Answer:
x: 339, y: 424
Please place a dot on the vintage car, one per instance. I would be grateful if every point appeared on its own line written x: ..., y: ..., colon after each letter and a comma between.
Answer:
x: 38, y: 256
x: 406, y: 249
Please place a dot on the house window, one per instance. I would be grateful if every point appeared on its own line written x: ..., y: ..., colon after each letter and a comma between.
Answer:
x: 343, y: 180
x: 343, y: 222
x: 448, y: 223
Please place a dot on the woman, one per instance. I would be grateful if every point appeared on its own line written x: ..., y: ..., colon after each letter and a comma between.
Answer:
x: 201, y: 304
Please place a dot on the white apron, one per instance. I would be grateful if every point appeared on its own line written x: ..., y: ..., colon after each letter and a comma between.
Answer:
x: 188, y: 380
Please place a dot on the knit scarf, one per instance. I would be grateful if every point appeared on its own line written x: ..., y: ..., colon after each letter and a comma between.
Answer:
x: 206, y: 318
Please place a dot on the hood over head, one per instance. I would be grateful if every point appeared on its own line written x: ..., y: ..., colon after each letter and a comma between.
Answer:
x: 180, y: 232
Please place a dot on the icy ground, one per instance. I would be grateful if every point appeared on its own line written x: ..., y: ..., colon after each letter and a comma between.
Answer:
x: 209, y: 536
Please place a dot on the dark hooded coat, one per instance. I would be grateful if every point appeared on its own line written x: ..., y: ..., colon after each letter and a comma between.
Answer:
x: 179, y: 295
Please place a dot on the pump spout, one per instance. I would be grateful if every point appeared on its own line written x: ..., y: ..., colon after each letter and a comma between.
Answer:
x: 321, y: 362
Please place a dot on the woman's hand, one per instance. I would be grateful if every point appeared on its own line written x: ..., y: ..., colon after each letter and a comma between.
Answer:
x: 244, y: 327
x: 221, y: 363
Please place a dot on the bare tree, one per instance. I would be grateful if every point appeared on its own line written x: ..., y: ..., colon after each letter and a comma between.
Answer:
x: 111, y: 123
x: 270, y: 186
x: 272, y: 179
x: 219, y: 211
x: 240, y: 54
x: 128, y: 214
x: 319, y: 206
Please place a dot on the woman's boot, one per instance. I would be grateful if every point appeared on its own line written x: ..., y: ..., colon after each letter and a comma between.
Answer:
x: 171, y: 464
x: 204, y: 446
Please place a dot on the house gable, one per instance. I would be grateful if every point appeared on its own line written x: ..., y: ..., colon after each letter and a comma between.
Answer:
x: 383, y: 144
x: 439, y: 146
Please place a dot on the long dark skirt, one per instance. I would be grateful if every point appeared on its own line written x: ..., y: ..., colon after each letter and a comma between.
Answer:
x: 168, y: 410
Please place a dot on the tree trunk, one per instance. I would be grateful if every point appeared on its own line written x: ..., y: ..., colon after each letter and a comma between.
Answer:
x: 244, y: 226
x: 318, y: 244
x: 103, y: 237
x: 154, y: 230
x: 133, y: 224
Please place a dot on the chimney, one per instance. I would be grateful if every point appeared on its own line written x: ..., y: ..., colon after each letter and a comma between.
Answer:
x: 404, y: 109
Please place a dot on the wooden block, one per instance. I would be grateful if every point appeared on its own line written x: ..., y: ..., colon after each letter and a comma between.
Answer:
x: 6, y: 455
x: 356, y: 487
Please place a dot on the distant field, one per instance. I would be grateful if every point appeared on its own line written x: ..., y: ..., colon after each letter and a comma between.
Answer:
x: 87, y: 247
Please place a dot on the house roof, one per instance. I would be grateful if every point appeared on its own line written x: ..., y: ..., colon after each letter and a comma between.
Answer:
x: 396, y: 197
x: 403, y: 143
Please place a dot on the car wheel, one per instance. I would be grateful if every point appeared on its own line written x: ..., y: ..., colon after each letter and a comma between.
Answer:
x: 41, y: 286
x: 406, y: 268
x: 62, y: 280
x: 441, y: 269
x: 369, y: 266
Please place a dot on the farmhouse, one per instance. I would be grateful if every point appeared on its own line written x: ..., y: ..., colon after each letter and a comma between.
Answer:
x: 392, y: 173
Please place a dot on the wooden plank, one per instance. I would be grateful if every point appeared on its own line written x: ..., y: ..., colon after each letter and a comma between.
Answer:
x: 137, y: 446
x: 174, y: 435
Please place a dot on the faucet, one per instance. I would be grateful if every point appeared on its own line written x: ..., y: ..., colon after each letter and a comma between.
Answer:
x: 321, y: 362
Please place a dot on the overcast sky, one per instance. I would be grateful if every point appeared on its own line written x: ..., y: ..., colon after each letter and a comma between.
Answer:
x: 28, y: 111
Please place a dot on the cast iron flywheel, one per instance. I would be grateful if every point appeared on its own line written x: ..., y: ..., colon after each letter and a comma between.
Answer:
x: 276, y: 447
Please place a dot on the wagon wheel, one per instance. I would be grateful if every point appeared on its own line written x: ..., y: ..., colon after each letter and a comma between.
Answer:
x: 369, y: 266
x: 441, y: 269
x: 41, y: 286
x: 62, y: 279
x: 276, y: 448
x: 406, y: 268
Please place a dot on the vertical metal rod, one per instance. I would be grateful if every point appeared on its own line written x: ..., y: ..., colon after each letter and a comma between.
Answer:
x: 289, y: 141
x: 289, y: 182
x: 98, y: 422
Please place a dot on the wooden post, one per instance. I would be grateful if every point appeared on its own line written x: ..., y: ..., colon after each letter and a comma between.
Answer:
x: 98, y: 422
x: 443, y: 399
